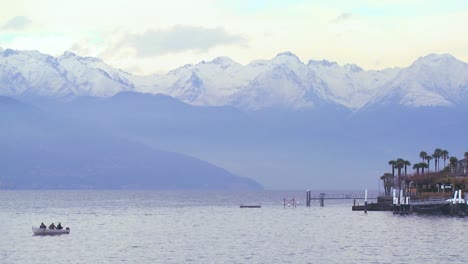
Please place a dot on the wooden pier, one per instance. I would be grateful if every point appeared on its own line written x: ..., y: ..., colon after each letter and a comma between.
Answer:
x: 321, y: 197
x: 398, y: 203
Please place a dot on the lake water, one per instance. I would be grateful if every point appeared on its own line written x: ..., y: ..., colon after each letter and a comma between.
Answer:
x: 209, y: 227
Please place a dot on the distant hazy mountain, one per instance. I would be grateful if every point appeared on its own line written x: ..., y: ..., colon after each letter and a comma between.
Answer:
x: 45, y: 150
x: 283, y: 82
x: 122, y: 136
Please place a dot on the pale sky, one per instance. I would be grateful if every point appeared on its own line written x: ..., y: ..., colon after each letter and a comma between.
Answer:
x: 145, y: 37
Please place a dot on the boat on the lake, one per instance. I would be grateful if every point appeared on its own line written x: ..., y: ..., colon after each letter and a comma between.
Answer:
x: 49, y: 232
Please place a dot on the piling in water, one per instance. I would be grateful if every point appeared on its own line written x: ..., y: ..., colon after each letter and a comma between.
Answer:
x: 365, y: 202
x: 322, y: 199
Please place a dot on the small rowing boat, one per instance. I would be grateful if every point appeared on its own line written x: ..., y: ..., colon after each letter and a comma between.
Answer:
x: 49, y: 232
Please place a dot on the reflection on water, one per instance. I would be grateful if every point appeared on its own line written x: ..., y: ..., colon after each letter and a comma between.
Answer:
x: 209, y: 227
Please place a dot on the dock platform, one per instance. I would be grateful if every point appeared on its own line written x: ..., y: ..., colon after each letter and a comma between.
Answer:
x: 250, y: 206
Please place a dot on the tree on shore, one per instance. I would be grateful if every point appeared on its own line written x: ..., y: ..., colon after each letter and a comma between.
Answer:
x: 428, y: 158
x: 428, y: 181
x: 453, y: 163
x: 406, y: 163
x: 423, y: 166
x: 416, y: 167
x: 436, y: 155
x: 388, y: 180
x: 392, y: 163
x: 400, y: 164
x: 445, y: 155
x: 423, y: 155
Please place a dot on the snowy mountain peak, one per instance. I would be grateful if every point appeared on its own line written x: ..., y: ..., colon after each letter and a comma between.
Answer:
x: 324, y: 63
x: 68, y: 54
x: 286, y: 56
x: 9, y: 52
x: 435, y: 59
x: 226, y: 61
x: 432, y: 80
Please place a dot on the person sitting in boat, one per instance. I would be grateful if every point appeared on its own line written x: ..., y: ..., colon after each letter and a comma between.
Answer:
x: 59, y: 226
x: 43, y: 226
x: 52, y: 226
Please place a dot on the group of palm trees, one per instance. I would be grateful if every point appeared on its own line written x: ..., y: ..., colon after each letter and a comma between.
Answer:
x: 399, y: 164
x: 438, y: 154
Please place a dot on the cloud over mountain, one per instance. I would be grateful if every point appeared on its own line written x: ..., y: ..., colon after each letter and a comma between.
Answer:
x: 180, y: 38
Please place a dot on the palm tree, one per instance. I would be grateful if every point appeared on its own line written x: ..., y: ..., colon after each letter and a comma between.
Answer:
x: 453, y: 163
x: 406, y: 163
x: 387, y: 179
x: 393, y: 163
x: 428, y: 158
x: 416, y: 167
x: 423, y: 166
x: 400, y: 163
x: 435, y: 161
x: 423, y: 155
x: 445, y: 155
x: 436, y: 156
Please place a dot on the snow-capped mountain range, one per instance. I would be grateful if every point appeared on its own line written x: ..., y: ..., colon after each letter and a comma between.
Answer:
x: 283, y: 82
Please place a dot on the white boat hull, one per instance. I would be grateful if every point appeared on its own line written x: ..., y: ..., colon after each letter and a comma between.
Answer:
x: 49, y: 232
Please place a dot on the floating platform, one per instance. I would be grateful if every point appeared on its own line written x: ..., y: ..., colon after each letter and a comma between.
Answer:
x: 384, y: 203
x: 250, y: 206
x: 374, y: 207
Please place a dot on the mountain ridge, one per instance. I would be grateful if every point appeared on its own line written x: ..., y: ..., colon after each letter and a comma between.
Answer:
x: 284, y: 81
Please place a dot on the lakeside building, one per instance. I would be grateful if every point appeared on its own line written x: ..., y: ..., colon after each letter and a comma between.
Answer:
x: 461, y: 169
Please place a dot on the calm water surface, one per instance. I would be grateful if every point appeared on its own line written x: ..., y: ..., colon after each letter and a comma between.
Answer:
x: 209, y: 227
